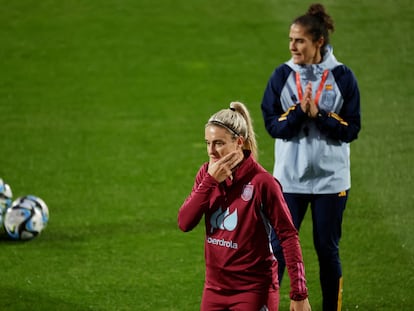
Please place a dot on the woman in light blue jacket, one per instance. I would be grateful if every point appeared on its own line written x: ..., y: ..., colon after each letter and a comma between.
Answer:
x: 311, y: 106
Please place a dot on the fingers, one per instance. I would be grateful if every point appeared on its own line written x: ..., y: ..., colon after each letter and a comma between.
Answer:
x: 222, y: 169
x: 308, y: 104
x: 308, y: 92
x: 231, y: 159
x: 307, y: 98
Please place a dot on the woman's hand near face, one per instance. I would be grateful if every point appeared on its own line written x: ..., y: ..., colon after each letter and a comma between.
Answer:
x: 223, y: 168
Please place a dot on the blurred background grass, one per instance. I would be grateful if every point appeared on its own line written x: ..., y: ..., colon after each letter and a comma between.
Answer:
x: 102, y: 109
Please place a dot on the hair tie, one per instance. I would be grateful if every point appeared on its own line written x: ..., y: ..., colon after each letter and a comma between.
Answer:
x: 232, y: 109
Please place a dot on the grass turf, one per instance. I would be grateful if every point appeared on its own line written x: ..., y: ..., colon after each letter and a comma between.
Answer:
x: 102, y: 106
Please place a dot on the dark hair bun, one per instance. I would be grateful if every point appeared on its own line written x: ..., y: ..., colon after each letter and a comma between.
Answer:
x: 318, y: 10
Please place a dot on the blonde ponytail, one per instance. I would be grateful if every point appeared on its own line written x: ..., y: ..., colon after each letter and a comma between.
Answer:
x: 238, y: 122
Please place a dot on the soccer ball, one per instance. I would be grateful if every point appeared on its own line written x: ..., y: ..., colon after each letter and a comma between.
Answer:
x: 42, y: 205
x: 26, y: 218
x: 5, y: 198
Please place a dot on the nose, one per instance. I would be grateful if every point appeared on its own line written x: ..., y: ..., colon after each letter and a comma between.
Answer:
x: 292, y: 45
x: 210, y: 149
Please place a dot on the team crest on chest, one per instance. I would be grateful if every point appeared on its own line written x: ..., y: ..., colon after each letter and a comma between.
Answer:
x: 247, y: 193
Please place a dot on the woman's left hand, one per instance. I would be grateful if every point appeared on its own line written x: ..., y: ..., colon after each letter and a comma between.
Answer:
x: 302, y: 305
x: 313, y: 110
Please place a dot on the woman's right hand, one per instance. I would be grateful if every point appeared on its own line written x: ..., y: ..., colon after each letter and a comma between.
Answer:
x: 306, y: 102
x: 223, y: 168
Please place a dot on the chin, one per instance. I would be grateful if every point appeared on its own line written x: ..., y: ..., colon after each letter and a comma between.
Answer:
x: 297, y: 60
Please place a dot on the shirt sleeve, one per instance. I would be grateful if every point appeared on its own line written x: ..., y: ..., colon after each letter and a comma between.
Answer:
x: 346, y: 125
x: 279, y: 123
x: 196, y: 204
x: 281, y: 221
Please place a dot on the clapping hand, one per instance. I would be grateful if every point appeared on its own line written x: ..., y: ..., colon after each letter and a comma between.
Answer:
x: 308, y: 104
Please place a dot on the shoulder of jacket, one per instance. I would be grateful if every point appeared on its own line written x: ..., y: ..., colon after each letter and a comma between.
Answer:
x: 263, y: 178
x: 283, y: 70
x: 341, y: 71
x: 280, y: 75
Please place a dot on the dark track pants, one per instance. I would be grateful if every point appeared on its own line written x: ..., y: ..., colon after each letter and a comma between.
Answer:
x: 327, y: 211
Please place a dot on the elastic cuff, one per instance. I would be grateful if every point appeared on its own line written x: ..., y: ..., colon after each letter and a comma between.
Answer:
x: 299, y: 110
x: 298, y: 297
x: 322, y: 115
x: 300, y: 115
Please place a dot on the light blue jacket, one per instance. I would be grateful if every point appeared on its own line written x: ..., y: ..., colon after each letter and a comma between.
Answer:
x: 313, y: 155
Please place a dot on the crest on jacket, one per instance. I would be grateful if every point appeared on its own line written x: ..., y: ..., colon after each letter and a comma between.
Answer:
x: 247, y: 193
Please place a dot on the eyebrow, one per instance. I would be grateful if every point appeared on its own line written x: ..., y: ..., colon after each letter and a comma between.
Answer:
x: 215, y: 141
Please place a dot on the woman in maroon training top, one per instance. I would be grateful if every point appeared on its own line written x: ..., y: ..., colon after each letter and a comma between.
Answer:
x: 241, y: 202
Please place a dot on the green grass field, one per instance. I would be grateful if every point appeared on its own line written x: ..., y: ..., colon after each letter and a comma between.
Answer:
x: 102, y: 109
